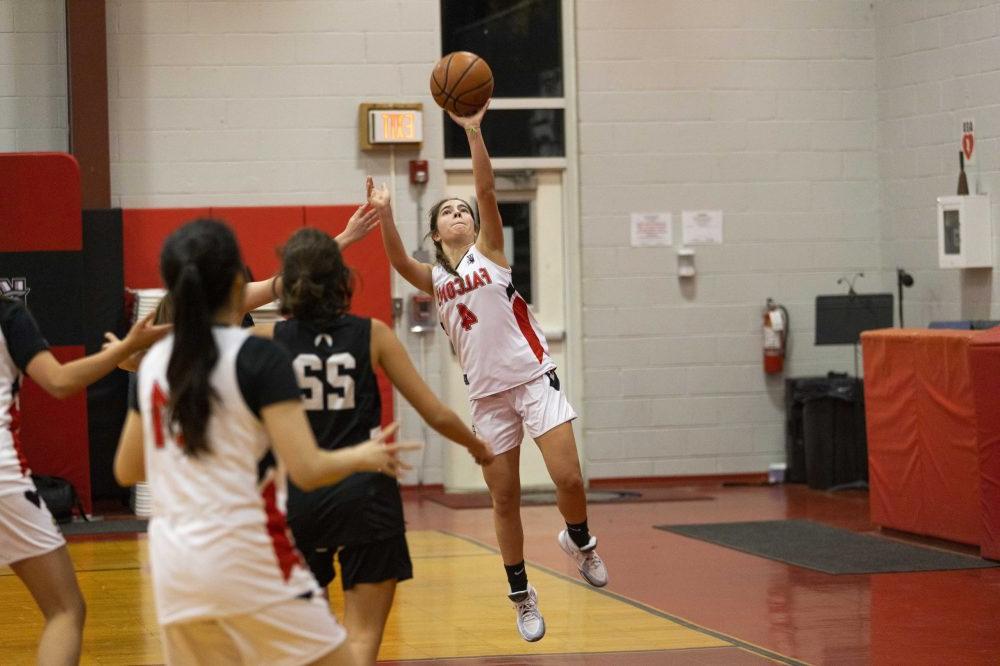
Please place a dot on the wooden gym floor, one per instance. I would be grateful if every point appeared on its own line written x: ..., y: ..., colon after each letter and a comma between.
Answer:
x: 671, y: 600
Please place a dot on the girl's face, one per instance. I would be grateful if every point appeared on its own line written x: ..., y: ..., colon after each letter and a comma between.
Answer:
x: 455, y: 224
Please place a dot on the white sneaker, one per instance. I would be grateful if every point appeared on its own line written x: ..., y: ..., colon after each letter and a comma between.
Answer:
x: 589, y: 563
x: 530, y: 622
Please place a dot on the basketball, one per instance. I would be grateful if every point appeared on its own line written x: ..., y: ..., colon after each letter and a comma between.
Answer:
x: 461, y: 83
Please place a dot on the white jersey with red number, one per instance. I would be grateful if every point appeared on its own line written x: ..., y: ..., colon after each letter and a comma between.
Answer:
x: 498, y: 342
x: 20, y: 342
x: 219, y: 545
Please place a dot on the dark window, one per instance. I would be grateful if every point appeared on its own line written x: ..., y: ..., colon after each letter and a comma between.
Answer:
x: 512, y: 133
x: 521, y: 41
x: 516, y: 217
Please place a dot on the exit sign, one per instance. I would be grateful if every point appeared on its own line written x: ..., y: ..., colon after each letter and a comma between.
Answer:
x: 390, y: 125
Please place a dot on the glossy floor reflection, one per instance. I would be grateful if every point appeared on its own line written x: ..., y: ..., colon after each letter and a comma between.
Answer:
x: 670, y: 600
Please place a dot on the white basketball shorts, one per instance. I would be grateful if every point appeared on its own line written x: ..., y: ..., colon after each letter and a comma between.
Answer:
x: 538, y: 406
x: 27, y: 529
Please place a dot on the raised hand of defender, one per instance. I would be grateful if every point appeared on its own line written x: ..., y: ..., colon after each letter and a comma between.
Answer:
x: 481, y: 452
x: 365, y: 219
x: 474, y: 120
x: 377, y: 455
x: 379, y: 197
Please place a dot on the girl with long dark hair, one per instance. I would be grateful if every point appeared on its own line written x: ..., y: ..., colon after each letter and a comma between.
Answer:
x: 214, y: 423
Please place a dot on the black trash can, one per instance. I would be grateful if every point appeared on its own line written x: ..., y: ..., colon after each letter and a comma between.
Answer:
x: 825, y: 441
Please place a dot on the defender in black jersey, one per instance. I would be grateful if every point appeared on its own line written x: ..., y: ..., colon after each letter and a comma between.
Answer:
x: 360, y: 519
x: 362, y: 514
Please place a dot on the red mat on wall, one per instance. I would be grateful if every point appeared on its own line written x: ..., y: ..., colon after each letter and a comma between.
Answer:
x: 261, y: 232
x: 40, y: 203
x: 922, y: 446
x: 984, y: 356
x: 54, y: 432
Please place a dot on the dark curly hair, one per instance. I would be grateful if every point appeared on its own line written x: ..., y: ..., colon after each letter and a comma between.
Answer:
x: 317, y: 285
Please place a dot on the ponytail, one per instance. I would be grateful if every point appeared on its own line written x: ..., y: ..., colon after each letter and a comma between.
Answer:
x: 194, y: 355
x: 199, y: 263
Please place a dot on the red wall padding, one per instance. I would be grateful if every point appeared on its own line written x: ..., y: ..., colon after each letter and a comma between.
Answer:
x: 984, y: 356
x: 40, y: 203
x: 143, y: 233
x: 261, y: 233
x: 923, y: 452
x: 54, y: 432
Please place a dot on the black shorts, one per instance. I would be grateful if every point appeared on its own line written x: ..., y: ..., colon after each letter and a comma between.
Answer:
x: 375, y: 562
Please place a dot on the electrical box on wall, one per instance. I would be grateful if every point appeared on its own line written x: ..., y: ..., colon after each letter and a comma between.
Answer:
x: 965, y: 235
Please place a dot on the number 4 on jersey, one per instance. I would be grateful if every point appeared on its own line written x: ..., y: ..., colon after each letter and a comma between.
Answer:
x: 468, y: 316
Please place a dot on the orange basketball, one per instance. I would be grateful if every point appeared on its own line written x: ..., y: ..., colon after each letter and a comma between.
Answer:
x: 461, y: 83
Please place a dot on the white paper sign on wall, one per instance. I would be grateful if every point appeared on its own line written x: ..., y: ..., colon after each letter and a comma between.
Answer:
x: 701, y: 226
x: 652, y: 229
x: 968, y: 142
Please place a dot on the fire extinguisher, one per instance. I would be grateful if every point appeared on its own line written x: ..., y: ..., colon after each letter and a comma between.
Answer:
x: 775, y: 337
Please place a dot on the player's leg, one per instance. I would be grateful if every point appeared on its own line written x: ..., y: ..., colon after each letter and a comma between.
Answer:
x: 366, y: 609
x: 548, y: 417
x: 370, y: 573
x: 36, y: 551
x: 52, y: 582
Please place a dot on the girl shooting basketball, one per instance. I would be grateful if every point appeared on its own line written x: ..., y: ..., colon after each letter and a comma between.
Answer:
x: 511, y: 379
x: 214, y: 422
x: 30, y: 542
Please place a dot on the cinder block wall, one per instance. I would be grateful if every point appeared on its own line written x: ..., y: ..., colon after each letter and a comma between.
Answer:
x: 33, y: 113
x: 938, y: 64
x: 766, y: 110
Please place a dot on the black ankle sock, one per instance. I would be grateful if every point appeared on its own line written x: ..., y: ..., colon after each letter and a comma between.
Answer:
x: 579, y: 533
x: 517, y: 577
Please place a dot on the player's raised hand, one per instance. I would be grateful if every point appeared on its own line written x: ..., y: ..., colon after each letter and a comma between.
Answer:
x: 379, y: 197
x: 364, y: 219
x: 473, y: 121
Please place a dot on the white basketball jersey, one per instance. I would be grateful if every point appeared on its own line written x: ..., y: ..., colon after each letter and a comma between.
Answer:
x: 14, y: 472
x: 19, y: 337
x: 218, y: 540
x: 498, y: 342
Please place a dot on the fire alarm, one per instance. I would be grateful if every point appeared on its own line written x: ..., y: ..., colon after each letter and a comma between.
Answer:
x: 418, y: 172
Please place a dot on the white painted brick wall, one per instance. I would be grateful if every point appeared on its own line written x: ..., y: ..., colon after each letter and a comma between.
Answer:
x: 767, y: 110
x: 939, y: 64
x: 255, y: 103
x: 33, y: 110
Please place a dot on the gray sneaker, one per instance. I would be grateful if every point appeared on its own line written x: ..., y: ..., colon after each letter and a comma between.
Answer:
x: 530, y: 622
x: 587, y: 560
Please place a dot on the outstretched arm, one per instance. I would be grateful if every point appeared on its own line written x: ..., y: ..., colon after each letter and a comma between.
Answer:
x: 389, y: 354
x: 416, y: 273
x: 262, y: 292
x: 310, y: 467
x: 63, y: 379
x: 490, y: 240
